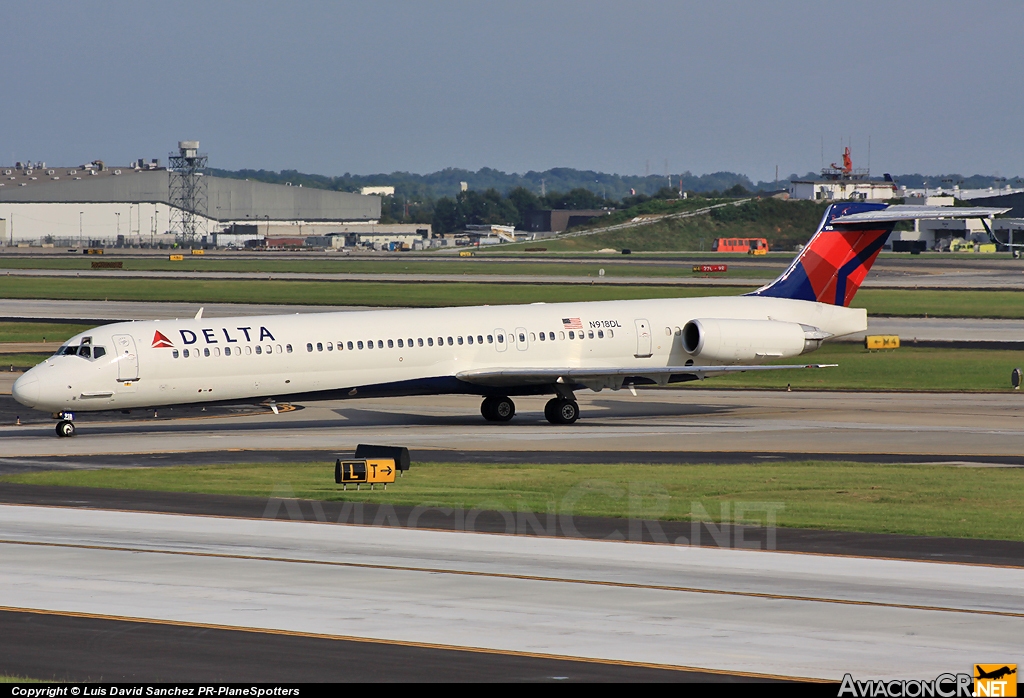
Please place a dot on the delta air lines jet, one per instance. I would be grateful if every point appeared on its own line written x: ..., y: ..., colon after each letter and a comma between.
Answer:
x: 495, y: 352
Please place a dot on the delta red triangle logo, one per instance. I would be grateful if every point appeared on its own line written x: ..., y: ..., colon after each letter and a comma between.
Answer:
x: 161, y: 341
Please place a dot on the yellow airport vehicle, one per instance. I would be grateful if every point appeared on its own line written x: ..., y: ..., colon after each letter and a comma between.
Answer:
x: 176, y: 257
x: 369, y: 470
x: 465, y: 253
x: 92, y: 250
x: 882, y: 341
x: 199, y: 252
x: 987, y: 248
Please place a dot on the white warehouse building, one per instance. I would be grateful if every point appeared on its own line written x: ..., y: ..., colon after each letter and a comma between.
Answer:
x: 93, y: 205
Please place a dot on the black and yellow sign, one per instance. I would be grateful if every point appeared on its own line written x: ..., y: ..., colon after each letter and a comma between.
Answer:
x: 198, y: 251
x: 882, y: 341
x: 995, y: 680
x: 176, y: 257
x: 371, y: 470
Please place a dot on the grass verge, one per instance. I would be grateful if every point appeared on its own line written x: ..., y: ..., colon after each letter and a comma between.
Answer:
x: 889, y: 498
x: 908, y: 368
x: 893, y: 302
x: 38, y: 331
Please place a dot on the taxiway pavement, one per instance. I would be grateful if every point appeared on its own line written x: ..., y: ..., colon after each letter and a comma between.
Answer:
x: 610, y: 601
x: 680, y: 420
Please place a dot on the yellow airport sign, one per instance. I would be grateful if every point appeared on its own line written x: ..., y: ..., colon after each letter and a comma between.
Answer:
x: 198, y: 251
x: 371, y: 470
x: 176, y: 257
x: 882, y: 341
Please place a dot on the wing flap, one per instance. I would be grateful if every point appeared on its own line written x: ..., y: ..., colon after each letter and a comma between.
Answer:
x: 608, y: 376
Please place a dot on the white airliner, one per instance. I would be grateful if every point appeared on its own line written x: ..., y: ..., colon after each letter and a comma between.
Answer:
x: 491, y: 351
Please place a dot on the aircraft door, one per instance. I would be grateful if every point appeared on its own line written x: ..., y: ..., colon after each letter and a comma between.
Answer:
x: 500, y: 340
x: 643, y: 339
x: 522, y: 339
x: 127, y: 358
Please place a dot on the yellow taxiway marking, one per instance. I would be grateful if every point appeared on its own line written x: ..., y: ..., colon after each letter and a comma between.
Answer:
x: 404, y: 643
x: 522, y: 577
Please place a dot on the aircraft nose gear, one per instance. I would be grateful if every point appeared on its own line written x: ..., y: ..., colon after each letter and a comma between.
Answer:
x: 560, y: 410
x: 498, y: 409
x: 66, y: 427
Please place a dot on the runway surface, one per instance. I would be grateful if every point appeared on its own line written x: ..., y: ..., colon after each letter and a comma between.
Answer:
x: 663, y: 605
x: 939, y: 425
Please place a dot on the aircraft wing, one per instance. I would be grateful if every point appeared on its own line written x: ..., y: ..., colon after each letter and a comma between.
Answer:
x: 608, y: 377
x: 902, y: 212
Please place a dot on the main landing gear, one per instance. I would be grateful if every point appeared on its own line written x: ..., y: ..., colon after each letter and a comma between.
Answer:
x: 66, y: 425
x: 560, y: 410
x: 498, y: 408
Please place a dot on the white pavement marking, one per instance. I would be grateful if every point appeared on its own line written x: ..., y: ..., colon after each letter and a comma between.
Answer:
x: 595, y: 599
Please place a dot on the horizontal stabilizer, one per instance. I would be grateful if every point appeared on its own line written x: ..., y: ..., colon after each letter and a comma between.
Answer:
x: 900, y: 212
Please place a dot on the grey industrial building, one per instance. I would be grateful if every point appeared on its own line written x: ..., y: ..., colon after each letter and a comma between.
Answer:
x: 95, y: 204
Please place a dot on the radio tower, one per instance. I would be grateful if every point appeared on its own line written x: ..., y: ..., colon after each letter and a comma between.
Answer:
x: 187, y: 191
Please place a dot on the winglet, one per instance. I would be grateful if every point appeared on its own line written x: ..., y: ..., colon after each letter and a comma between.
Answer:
x: 199, y: 314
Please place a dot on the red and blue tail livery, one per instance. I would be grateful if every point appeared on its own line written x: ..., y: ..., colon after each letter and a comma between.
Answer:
x: 834, y: 263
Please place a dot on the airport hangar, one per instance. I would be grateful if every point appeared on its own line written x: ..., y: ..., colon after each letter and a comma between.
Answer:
x: 97, y: 205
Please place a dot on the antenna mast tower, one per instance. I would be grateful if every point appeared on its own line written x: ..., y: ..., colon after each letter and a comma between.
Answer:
x: 187, y: 191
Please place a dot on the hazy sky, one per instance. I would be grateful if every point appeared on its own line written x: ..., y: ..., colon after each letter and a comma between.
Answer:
x: 368, y: 87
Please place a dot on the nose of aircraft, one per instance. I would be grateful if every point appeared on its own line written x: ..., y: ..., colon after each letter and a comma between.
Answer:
x: 26, y: 389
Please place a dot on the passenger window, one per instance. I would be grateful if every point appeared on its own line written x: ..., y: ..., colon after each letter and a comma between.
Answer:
x: 533, y: 337
x: 600, y: 334
x: 572, y: 335
x: 668, y: 331
x: 309, y: 347
x: 391, y: 344
x: 248, y: 351
x: 227, y: 351
x: 341, y: 346
x: 451, y: 342
x: 501, y: 339
x: 410, y: 342
x: 360, y: 345
x: 479, y: 339
x: 206, y: 351
x: 469, y: 339
x: 270, y: 349
x: 400, y: 344
x: 590, y: 334
x: 278, y: 348
x: 288, y: 348
x: 611, y: 333
x: 369, y: 344
x: 216, y: 351
x: 319, y: 347
x: 430, y: 341
x: 542, y: 336
x: 561, y: 335
x: 330, y: 346
x: 174, y: 353
x: 490, y: 339
x: 380, y: 343
x: 551, y: 336
x: 185, y: 354
x: 522, y: 337
x: 460, y: 341
x: 440, y: 341
x: 259, y: 349
x: 419, y: 342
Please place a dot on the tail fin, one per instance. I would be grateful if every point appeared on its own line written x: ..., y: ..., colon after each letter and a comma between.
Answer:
x: 834, y: 263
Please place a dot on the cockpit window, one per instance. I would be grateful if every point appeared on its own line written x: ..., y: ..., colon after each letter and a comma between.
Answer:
x: 68, y: 350
x: 85, y: 350
x: 98, y: 352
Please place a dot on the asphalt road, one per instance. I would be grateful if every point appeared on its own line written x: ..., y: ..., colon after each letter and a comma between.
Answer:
x: 970, y: 425
x: 692, y: 608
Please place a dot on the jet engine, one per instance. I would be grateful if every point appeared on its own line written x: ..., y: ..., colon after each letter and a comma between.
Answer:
x: 742, y: 341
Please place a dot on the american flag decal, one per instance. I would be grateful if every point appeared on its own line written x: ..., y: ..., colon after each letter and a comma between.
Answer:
x: 572, y: 323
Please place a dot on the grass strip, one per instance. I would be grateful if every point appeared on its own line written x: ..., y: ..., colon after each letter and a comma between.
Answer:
x: 905, y: 369
x: 38, y: 331
x: 874, y: 498
x: 892, y: 302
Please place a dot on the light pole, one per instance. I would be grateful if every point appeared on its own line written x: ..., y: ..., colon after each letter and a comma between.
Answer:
x: 80, y: 228
x: 118, y: 214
